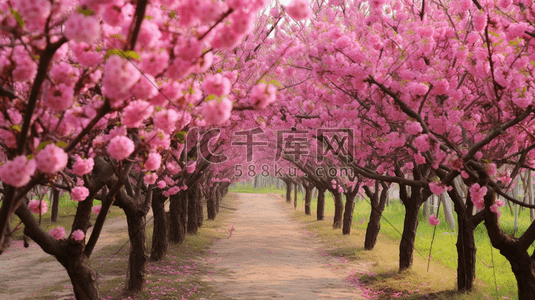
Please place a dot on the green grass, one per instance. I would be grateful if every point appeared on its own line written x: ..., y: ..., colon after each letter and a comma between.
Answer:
x: 441, y: 278
x: 66, y: 213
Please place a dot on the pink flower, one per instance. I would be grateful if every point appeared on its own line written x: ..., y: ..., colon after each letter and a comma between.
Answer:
x: 120, y: 147
x: 476, y: 194
x: 83, y: 166
x: 216, y: 85
x: 17, y: 172
x: 80, y: 28
x: 437, y: 188
x: 58, y: 232
x: 490, y: 169
x: 38, y: 206
x: 479, y: 19
x: 422, y: 143
x: 136, y: 112
x: 161, y: 184
x: 59, y: 97
x: 413, y: 127
x: 153, y: 162
x: 217, y: 112
x: 78, y: 235
x: 51, y: 159
x: 299, y: 10
x: 166, y: 120
x: 119, y: 77
x: 516, y: 30
x: 419, y: 158
x: 85, y: 56
x: 494, y: 208
x: 96, y: 209
x: 263, y: 95
x: 173, y: 190
x: 150, y: 178
x: 433, y: 220
x: 191, y: 168
x: 79, y: 193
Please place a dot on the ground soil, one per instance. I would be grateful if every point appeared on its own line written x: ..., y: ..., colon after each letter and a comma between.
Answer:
x: 269, y: 255
x: 24, y: 271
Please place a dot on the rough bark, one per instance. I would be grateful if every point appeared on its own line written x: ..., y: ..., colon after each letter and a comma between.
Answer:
x: 78, y: 266
x: 320, y: 210
x: 160, y: 240
x: 410, y: 224
x: 308, y: 198
x: 192, y: 211
x: 288, y: 191
x: 412, y: 205
x: 211, y: 203
x: 378, y: 203
x: 68, y: 252
x: 295, y: 195
x: 338, y: 210
x: 199, y: 207
x: 137, y: 260
x: 348, y: 212
x: 178, y: 217
x: 466, y: 247
x: 218, y: 196
x: 514, y: 249
x: 55, y: 205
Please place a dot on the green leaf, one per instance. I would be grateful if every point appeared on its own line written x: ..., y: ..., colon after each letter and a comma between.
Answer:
x: 210, y: 97
x: 15, y: 127
x: 86, y: 12
x: 172, y: 14
x: 17, y: 17
x: 125, y: 54
x: 181, y: 136
x: 275, y: 83
x: 149, y: 17
x: 62, y: 144
x: 41, y: 146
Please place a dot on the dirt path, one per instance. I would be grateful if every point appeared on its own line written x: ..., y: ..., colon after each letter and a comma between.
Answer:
x: 268, y: 256
x: 23, y: 271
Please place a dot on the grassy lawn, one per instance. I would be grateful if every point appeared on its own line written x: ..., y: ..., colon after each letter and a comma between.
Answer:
x: 66, y: 211
x: 494, y: 278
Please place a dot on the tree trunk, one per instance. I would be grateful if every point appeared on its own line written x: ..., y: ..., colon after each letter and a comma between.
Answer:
x: 55, y: 205
x: 200, y: 209
x: 378, y: 203
x: 218, y: 196
x: 211, y: 203
x: 160, y: 240
x: 137, y: 260
x: 320, y: 210
x: 295, y: 195
x: 410, y: 224
x: 192, y: 211
x: 83, y: 277
x: 178, y: 217
x: 514, y: 249
x: 348, y: 213
x: 466, y: 253
x: 288, y: 191
x: 308, y: 198
x: 338, y: 210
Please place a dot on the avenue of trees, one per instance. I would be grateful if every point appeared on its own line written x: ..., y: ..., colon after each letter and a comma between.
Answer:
x: 136, y: 103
